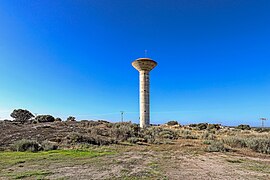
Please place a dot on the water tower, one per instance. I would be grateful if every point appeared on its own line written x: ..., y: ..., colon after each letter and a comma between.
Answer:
x: 144, y: 66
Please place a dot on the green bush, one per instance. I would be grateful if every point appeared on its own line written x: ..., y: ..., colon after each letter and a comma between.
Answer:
x: 44, y: 118
x: 47, y: 146
x: 208, y: 136
x: 133, y: 140
x: 124, y: 130
x: 186, y: 134
x: 200, y: 126
x: 261, y: 145
x: 172, y: 123
x: 257, y: 144
x: 167, y: 134
x: 26, y: 145
x: 235, y: 142
x: 207, y: 142
x: 243, y: 127
x: 216, y: 146
x: 213, y: 126
x: 157, y: 135
x: 71, y: 118
x: 261, y: 130
x: 58, y: 119
x: 95, y: 140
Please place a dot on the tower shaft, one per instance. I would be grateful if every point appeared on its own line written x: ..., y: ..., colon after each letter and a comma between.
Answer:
x: 144, y: 99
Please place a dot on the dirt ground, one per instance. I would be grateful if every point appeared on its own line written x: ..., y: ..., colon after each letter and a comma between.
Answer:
x: 185, y: 159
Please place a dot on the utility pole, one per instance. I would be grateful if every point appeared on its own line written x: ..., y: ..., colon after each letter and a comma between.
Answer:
x: 122, y: 116
x: 263, y: 120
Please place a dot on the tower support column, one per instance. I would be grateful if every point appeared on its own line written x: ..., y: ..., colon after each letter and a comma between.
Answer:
x: 144, y: 99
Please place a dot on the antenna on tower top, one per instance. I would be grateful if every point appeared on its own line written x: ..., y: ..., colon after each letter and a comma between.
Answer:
x: 145, y: 53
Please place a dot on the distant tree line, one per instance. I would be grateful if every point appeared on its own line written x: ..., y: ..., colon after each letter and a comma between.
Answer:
x: 25, y: 116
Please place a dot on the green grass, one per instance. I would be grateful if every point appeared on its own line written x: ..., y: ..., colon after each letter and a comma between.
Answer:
x: 37, y: 174
x: 41, y: 161
x: 12, y: 158
x: 259, y: 167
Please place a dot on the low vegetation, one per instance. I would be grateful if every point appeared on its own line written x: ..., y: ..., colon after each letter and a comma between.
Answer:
x: 258, y: 144
x: 57, y: 134
x: 44, y: 140
x: 216, y: 146
x: 21, y: 159
x: 172, y: 123
x: 44, y: 118
x: 243, y: 127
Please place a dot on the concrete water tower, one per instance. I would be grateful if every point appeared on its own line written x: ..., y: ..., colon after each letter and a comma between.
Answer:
x: 144, y: 66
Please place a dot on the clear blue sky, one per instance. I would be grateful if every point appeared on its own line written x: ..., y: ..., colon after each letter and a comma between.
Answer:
x: 73, y: 57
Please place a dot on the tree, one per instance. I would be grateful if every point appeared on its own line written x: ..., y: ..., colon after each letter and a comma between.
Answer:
x: 45, y: 118
x: 243, y: 127
x: 172, y: 123
x: 71, y: 118
x: 58, y: 119
x: 21, y: 115
x: 213, y: 126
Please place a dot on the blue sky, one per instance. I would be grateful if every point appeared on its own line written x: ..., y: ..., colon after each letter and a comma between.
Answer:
x: 69, y: 57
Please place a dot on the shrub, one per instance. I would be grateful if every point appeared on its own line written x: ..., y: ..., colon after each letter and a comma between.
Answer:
x: 45, y: 118
x: 26, y: 145
x: 123, y: 130
x: 103, y: 121
x: 167, y: 134
x: 243, y: 127
x: 133, y: 140
x: 207, y: 142
x: 157, y: 135
x: 187, y: 134
x: 47, y: 146
x: 172, y: 123
x: 261, y: 145
x: 235, y: 142
x: 21, y: 115
x: 260, y: 130
x: 192, y: 125
x: 58, y: 119
x: 208, y: 136
x: 200, y: 126
x: 71, y: 118
x: 190, y: 137
x: 213, y: 126
x: 216, y: 146
x: 95, y: 140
